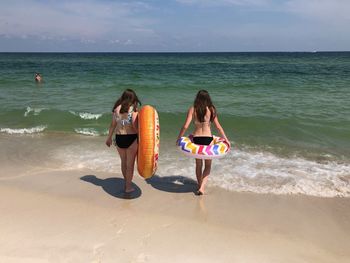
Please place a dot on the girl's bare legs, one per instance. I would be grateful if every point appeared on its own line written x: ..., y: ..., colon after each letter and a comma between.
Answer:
x: 122, y: 154
x: 127, y: 158
x: 205, y: 174
x: 199, y: 165
x: 130, y: 164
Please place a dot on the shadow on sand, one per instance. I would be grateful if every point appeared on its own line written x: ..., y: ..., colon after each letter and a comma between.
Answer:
x: 113, y: 186
x: 173, y: 184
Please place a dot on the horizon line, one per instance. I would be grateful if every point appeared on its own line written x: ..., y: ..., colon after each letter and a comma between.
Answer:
x: 314, y: 51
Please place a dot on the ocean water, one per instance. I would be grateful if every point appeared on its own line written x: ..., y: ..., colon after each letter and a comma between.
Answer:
x: 287, y: 114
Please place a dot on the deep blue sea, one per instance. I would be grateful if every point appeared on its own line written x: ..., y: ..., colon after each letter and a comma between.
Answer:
x: 288, y: 114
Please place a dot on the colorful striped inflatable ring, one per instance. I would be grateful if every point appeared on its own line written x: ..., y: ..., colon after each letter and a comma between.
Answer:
x: 217, y: 149
x: 148, y: 151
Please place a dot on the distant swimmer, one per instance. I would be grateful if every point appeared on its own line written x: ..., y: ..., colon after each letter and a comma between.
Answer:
x: 38, y: 77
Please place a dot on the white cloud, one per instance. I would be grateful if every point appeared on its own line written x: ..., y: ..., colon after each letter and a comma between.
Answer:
x: 128, y: 42
x: 87, y: 21
x: 115, y: 41
x: 87, y: 41
x: 322, y: 10
x: 206, y: 3
x: 136, y: 25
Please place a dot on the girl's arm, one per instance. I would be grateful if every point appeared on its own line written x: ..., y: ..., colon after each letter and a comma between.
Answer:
x: 220, y: 129
x: 186, y: 124
x: 111, y: 131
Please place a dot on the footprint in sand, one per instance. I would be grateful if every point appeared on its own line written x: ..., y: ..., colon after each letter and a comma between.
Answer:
x: 97, y: 252
x: 141, y: 258
x: 114, y: 224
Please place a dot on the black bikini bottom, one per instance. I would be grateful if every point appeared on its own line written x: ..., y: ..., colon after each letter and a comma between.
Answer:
x: 202, y: 140
x: 125, y: 140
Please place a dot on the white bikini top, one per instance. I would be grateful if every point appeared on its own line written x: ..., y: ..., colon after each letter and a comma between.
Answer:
x: 127, y: 121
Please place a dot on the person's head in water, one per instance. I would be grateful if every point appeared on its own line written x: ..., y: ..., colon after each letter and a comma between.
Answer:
x: 201, y: 103
x: 38, y: 77
x: 127, y: 99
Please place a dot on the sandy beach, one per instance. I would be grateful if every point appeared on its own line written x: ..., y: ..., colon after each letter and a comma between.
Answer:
x: 49, y: 214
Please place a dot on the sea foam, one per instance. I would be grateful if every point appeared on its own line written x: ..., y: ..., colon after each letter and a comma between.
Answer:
x: 240, y: 171
x: 89, y: 156
x: 35, y: 111
x: 86, y: 115
x: 36, y: 129
x: 87, y: 131
x: 264, y: 172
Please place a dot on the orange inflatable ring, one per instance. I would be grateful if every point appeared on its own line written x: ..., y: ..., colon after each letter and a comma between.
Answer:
x: 148, y: 151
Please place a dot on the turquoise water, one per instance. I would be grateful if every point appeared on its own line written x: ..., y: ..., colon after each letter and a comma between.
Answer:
x: 288, y: 114
x: 286, y: 102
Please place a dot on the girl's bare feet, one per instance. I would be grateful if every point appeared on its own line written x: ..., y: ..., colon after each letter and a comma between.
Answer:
x: 129, y: 190
x: 199, y: 192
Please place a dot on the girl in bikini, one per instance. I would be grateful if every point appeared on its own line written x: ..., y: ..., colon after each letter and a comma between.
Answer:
x: 125, y: 125
x: 203, y: 113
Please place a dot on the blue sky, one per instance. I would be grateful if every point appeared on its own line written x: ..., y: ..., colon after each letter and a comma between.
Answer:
x: 174, y: 25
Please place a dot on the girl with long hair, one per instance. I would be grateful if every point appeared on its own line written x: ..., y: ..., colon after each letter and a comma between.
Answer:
x: 203, y: 113
x: 125, y: 125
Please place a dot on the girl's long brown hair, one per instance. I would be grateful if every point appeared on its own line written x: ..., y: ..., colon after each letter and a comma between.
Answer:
x: 127, y: 99
x: 201, y: 102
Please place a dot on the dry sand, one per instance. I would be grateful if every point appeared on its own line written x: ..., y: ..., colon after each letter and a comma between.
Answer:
x: 82, y: 216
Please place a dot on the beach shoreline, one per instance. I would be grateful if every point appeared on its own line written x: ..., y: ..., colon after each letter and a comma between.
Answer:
x: 243, y: 169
